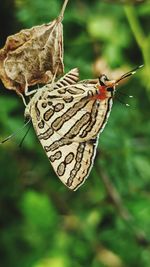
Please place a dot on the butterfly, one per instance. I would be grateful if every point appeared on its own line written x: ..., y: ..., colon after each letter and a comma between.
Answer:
x: 68, y: 117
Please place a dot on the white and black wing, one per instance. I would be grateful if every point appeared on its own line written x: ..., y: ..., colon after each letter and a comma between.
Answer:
x: 67, y: 125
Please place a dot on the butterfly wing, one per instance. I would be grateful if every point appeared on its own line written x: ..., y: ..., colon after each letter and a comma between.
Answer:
x: 78, y: 106
x: 68, y: 79
x: 71, y: 160
x: 67, y: 125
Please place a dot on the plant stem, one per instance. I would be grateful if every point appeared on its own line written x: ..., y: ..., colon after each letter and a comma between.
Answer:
x: 141, y: 39
x: 135, y: 25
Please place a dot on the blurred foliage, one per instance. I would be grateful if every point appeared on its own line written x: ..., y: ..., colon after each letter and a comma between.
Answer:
x: 42, y: 223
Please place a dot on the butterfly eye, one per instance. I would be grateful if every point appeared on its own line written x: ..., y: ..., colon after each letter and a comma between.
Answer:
x: 110, y: 89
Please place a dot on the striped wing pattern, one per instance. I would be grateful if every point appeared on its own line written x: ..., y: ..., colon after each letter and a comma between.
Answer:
x: 68, y: 120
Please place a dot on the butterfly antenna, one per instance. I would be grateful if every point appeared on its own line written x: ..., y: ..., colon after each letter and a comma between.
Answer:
x: 20, y: 144
x: 121, y: 93
x: 129, y: 73
x: 119, y: 100
x: 15, y: 133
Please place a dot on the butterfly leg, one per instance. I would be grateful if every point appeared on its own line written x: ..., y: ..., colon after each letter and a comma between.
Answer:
x: 54, y: 77
x: 23, y: 99
x: 26, y: 92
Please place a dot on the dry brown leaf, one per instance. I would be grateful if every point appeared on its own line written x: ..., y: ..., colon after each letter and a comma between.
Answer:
x: 33, y: 55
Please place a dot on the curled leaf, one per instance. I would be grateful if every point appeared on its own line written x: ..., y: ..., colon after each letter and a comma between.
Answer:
x: 33, y: 55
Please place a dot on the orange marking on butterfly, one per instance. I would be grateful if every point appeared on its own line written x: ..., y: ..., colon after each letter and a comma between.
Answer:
x: 103, y: 94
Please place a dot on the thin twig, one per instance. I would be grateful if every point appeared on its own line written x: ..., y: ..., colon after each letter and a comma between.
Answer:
x: 122, y: 210
x: 115, y: 197
x: 61, y: 15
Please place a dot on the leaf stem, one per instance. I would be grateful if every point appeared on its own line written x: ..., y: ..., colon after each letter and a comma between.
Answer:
x: 63, y: 8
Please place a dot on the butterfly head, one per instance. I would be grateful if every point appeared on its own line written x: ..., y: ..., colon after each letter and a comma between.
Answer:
x: 107, y: 87
x: 103, y: 79
x: 105, y: 82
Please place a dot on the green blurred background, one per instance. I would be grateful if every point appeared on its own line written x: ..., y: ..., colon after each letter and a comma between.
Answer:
x: 106, y: 223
